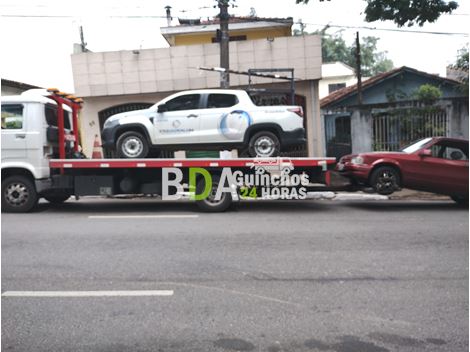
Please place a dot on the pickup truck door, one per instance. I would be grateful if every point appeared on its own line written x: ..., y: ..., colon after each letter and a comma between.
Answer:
x: 180, y: 123
x: 221, y: 120
x: 13, y: 133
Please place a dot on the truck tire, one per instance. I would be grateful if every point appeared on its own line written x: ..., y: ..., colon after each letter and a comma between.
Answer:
x: 210, y: 205
x: 264, y: 144
x: 132, y: 145
x: 18, y: 194
x: 57, y: 198
x: 385, y: 180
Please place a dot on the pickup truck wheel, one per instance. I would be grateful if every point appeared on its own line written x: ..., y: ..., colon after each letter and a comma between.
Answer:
x: 57, y: 198
x: 132, y: 145
x: 264, y: 144
x: 18, y: 194
x: 385, y: 180
x: 210, y: 204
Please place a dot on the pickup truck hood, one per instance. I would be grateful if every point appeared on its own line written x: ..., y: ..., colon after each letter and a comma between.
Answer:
x: 122, y: 115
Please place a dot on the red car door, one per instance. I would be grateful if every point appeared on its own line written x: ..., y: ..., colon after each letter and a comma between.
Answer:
x: 445, y: 170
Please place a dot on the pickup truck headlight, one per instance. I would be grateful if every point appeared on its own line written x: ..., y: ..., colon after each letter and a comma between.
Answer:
x: 357, y: 160
x: 110, y: 122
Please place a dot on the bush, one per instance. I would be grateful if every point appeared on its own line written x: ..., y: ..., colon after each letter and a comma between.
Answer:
x: 428, y: 93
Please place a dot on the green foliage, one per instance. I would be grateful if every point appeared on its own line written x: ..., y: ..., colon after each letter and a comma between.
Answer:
x: 462, y: 59
x: 335, y: 48
x: 405, y: 12
x: 461, y: 66
x: 428, y: 93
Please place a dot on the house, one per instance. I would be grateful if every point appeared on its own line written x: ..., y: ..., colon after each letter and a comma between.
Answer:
x: 392, y: 114
x: 14, y: 88
x: 335, y: 75
x: 191, y: 32
x: 119, y: 81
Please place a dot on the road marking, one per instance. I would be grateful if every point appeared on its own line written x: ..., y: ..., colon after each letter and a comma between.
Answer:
x: 143, y: 216
x: 87, y: 293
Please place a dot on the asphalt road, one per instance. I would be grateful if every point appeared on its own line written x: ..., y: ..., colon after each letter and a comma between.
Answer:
x: 269, y: 276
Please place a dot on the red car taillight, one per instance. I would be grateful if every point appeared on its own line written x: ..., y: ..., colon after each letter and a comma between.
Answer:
x: 298, y: 110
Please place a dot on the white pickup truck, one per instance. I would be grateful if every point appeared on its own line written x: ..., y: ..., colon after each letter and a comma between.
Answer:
x: 213, y: 119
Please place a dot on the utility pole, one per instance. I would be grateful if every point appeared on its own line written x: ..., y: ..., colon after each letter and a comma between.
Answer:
x: 82, y: 41
x: 224, y: 43
x: 358, y: 70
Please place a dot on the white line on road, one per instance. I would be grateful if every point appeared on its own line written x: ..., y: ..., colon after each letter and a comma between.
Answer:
x: 87, y: 293
x: 143, y: 216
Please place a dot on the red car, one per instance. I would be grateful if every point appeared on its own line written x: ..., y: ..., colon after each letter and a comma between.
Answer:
x: 438, y: 165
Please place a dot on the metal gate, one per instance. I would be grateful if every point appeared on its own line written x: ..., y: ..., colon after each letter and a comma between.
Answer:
x: 392, y: 130
x: 338, y: 135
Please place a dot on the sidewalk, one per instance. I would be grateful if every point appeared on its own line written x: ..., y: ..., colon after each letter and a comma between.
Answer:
x: 408, y: 194
x: 405, y: 194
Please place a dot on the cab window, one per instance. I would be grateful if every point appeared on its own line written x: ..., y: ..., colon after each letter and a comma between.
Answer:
x: 12, y: 117
x: 215, y: 101
x: 183, y: 102
x: 51, y: 116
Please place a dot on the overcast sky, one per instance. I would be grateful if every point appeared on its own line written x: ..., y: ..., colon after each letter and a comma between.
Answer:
x: 36, y: 50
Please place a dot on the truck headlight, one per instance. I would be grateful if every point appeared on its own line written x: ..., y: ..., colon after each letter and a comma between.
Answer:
x: 110, y: 121
x: 357, y: 160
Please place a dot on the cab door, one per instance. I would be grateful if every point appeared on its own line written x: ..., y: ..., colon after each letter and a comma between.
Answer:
x: 178, y: 120
x: 221, y: 120
x: 14, y: 134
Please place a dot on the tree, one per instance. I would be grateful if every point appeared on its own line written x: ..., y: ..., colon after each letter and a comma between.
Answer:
x: 460, y: 68
x: 462, y: 60
x: 405, y: 12
x: 335, y: 48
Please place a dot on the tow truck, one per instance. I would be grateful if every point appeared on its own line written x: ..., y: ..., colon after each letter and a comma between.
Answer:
x: 41, y: 158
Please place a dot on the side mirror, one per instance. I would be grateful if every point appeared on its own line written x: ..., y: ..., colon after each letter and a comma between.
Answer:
x: 162, y: 108
x: 425, y: 153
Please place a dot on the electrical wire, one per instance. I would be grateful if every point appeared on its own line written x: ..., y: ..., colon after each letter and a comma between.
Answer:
x: 382, y: 29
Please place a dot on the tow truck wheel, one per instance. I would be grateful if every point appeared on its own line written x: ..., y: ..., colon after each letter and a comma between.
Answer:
x: 264, y: 144
x: 56, y: 198
x: 18, y: 194
x: 132, y: 145
x: 210, y: 204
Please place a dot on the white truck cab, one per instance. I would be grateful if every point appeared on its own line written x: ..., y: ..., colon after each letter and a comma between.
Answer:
x: 29, y: 140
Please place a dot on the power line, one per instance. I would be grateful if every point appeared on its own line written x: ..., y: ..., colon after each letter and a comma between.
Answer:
x: 383, y: 29
x: 69, y: 16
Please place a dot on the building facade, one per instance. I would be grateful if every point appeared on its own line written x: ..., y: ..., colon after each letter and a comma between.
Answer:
x: 118, y: 81
x: 392, y: 114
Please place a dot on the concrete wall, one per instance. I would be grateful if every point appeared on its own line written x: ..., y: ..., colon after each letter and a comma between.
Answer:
x: 175, y: 68
x: 361, y: 122
x: 458, y: 112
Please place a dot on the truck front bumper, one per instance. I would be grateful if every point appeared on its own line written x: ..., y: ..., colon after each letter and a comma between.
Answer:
x: 108, y: 135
